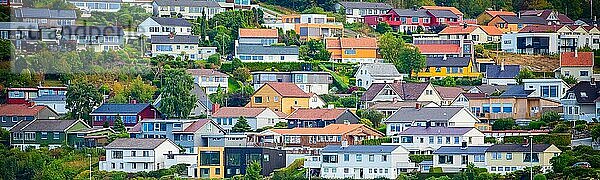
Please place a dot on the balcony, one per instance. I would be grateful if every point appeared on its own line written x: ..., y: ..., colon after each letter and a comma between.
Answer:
x: 138, y: 159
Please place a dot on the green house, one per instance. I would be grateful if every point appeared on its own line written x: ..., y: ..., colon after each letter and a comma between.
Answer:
x: 52, y: 133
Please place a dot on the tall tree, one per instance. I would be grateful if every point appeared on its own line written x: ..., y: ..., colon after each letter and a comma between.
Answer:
x: 241, y: 125
x: 405, y: 57
x: 253, y: 171
x: 118, y: 125
x: 134, y: 90
x: 81, y: 100
x: 177, y: 98
x: 314, y: 50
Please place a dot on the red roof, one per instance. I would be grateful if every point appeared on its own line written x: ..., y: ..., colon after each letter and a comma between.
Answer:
x: 492, y: 30
x: 540, y: 29
x: 500, y: 13
x: 196, y: 125
x: 448, y: 92
x: 458, y: 30
x: 286, y: 89
x: 449, y: 8
x: 238, y: 111
x: 583, y: 59
x: 313, y: 114
x: 258, y: 33
x: 19, y: 110
x: 438, y: 48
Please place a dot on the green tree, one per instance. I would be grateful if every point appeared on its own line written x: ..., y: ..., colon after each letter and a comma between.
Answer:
x: 550, y: 116
x: 81, y: 99
x: 176, y: 90
x: 242, y: 74
x: 214, y: 59
x: 314, y: 50
x: 560, y: 128
x: 382, y: 28
x: 405, y: 57
x: 503, y: 124
x: 536, y: 124
x: 241, y: 125
x: 374, y: 116
x: 135, y: 90
x: 595, y: 132
x: 539, y: 177
x: 118, y: 125
x: 254, y: 171
x: 524, y: 74
x: 569, y: 79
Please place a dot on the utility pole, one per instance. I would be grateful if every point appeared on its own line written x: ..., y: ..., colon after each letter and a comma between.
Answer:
x: 90, y: 155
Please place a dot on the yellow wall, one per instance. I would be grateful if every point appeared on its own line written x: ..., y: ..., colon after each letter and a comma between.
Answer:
x: 360, y: 53
x: 467, y: 73
x: 289, y: 104
x: 507, y: 28
x: 483, y: 18
x: 517, y: 158
x: 285, y: 105
x: 221, y: 165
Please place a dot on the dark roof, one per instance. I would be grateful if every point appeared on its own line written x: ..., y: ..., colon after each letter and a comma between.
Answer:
x: 132, y: 143
x: 381, y: 69
x: 267, y: 50
x: 120, y: 108
x: 201, y: 96
x: 517, y: 148
x: 44, y: 13
x: 18, y: 25
x: 46, y: 125
x: 92, y: 30
x: 424, y: 114
x: 490, y: 89
x: 591, y: 91
x: 187, y: 3
x: 460, y: 150
x: 523, y: 19
x: 496, y: 72
x: 171, y: 21
x: 365, y: 5
x: 177, y: 39
x: 437, y: 130
x: 359, y: 149
x: 563, y: 19
x: 516, y: 91
x: 407, y: 91
x: 448, y: 62
x: 442, y: 13
x: 51, y: 98
x: 411, y: 12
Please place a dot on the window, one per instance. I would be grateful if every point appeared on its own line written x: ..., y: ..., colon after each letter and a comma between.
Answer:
x: 346, y: 170
x: 258, y: 100
x: 133, y: 165
x: 464, y: 159
x: 415, y: 20
x: 507, y: 108
x: 176, y: 125
x: 583, y: 73
x: 406, y: 139
x: 358, y: 157
x: 146, y: 153
x: 133, y: 153
x: 508, y: 156
x: 56, y: 135
x: 445, y: 159
x: 496, y: 155
x: 447, y: 140
x: 493, y: 169
x: 496, y: 108
x: 210, y: 158
x: 456, y: 140
x: 117, y: 154
x: 164, y: 48
x: 479, y: 158
x: 431, y: 139
x: 371, y: 157
x: 384, y: 158
x: 145, y: 165
x: 439, y: 140
x: 330, y: 159
x: 350, y: 51
x: 276, y: 98
x: 44, y: 135
x: 528, y: 157
x: 346, y: 157
x: 217, y: 171
x: 549, y: 91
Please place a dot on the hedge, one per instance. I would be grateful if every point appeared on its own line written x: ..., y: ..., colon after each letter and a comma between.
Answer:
x: 556, y: 139
x: 417, y: 158
x: 377, y: 141
x: 268, y: 66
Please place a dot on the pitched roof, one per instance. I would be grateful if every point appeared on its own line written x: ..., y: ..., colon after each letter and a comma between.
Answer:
x: 517, y: 148
x: 316, y: 114
x: 398, y: 104
x: 176, y: 39
x: 545, y: 13
x: 407, y: 91
x: 438, y: 48
x: 450, y: 8
x: 442, y: 13
x: 381, y: 69
x: 197, y: 125
x: 475, y: 95
x: 45, y: 125
x: 286, y: 89
x: 172, y: 21
x: 351, y: 43
x: 516, y: 91
x: 447, y: 62
x: 333, y: 129
x: 359, y: 149
x: 92, y: 30
x: 423, y: 114
x: 460, y: 150
x: 206, y: 72
x: 491, y: 30
x: 523, y: 19
x: 238, y: 111
x: 498, y: 13
x: 437, y: 130
x: 107, y: 108
x: 258, y: 33
x: 20, y: 109
x: 496, y: 72
x: 267, y: 50
x: 592, y: 92
x: 365, y: 5
x: 490, y: 89
x: 458, y: 30
x: 133, y: 143
x: 411, y: 13
x: 448, y: 92
x: 44, y: 13
x: 540, y: 29
x: 583, y: 59
x: 187, y: 3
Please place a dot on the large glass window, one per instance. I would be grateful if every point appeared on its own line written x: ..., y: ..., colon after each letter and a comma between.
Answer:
x: 210, y: 158
x: 406, y: 139
x: 527, y: 157
x: 234, y: 159
x: 117, y: 154
x: 330, y: 159
x: 164, y: 48
x: 507, y: 108
x: 479, y: 158
x: 496, y: 108
x: 444, y: 159
x: 485, y: 108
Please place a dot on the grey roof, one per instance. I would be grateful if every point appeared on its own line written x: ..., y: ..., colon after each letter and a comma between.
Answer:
x: 490, y: 89
x: 381, y: 69
x: 496, y: 72
x: 437, y: 130
x: 44, y: 125
x: 51, y: 98
x: 448, y: 62
x: 460, y: 150
x: 592, y: 92
x: 187, y: 3
x: 18, y: 25
x: 267, y: 50
x: 443, y: 13
x: 120, y: 108
x: 92, y: 30
x: 365, y: 5
x: 358, y: 149
x: 411, y: 12
x: 517, y: 148
x: 516, y: 91
x: 172, y: 21
x: 423, y: 114
x: 177, y: 39
x: 117, y: 1
x: 201, y: 96
x: 523, y: 19
x: 44, y: 13
x: 132, y: 143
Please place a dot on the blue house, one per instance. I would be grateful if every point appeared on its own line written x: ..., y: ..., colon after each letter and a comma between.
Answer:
x: 188, y: 133
x: 130, y: 114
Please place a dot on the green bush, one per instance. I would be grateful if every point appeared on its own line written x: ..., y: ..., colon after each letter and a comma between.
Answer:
x: 435, y: 170
x: 268, y: 66
x: 556, y: 139
x: 417, y: 158
x: 490, y: 140
x: 377, y: 141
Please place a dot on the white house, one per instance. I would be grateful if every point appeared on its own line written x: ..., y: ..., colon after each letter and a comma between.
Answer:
x: 97, y: 5
x: 184, y: 46
x: 210, y: 80
x: 425, y: 140
x: 257, y: 118
x: 553, y: 89
x: 368, y: 74
x: 361, y: 162
x: 56, y: 102
x: 579, y: 65
x: 355, y: 11
x: 136, y: 155
x: 186, y: 9
x: 501, y: 74
x: 453, y: 159
x: 164, y: 26
x: 316, y: 101
x: 406, y: 118
x: 400, y: 92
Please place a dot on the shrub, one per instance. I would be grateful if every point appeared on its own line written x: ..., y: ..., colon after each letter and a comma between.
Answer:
x: 377, y: 141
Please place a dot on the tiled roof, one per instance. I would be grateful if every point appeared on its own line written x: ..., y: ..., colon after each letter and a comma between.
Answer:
x: 332, y: 129
x: 424, y: 114
x: 351, y: 43
x: 496, y: 72
x: 592, y: 92
x: 439, y: 48
x: 442, y: 13
x: 491, y: 30
x: 258, y: 33
x: 206, y: 72
x: 437, y: 130
x: 540, y: 29
x: 92, y: 30
x: 545, y: 13
x: 267, y: 50
x: 187, y: 3
x: 197, y: 125
x: 316, y: 114
x: 517, y: 148
x: 20, y: 110
x: 460, y: 150
x: 448, y: 92
x: 498, y: 13
x: 365, y: 5
x: 458, y: 30
x: 452, y: 9
x: 381, y: 69
x: 133, y: 143
x: 475, y: 95
x: 407, y: 91
x: 447, y: 62
x: 45, y: 125
x: 359, y: 149
x: 411, y: 13
x: 238, y: 111
x: 523, y: 19
x: 583, y: 59
x: 286, y: 89
x: 176, y: 39
x: 120, y: 108
x: 171, y: 21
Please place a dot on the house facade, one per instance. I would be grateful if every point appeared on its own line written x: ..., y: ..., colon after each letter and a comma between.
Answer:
x: 97, y: 5
x: 188, y: 134
x: 11, y: 114
x: 356, y: 11
x: 308, y: 118
x: 444, y: 47
x: 409, y: 20
x: 258, y: 45
x: 210, y: 80
x: 553, y: 89
x: 368, y: 74
x: 501, y: 74
x: 280, y: 97
x: 454, y: 159
x: 426, y: 140
x: 164, y: 26
x: 352, y: 50
x: 488, y: 108
x: 441, y: 67
x: 27, y: 94
x: 581, y: 101
x: 130, y: 114
x: 137, y: 155
x: 506, y: 158
x: 183, y: 46
x: 49, y: 18
x: 486, y: 16
x: 550, y: 39
x: 308, y: 81
x: 398, y: 92
x: 186, y: 9
x: 44, y: 133
x: 479, y: 34
x: 238, y: 159
x: 406, y: 118
x: 97, y: 38
x: 257, y: 118
x: 309, y: 26
x: 579, y: 65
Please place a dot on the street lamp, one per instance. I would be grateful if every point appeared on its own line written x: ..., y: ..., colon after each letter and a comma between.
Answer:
x: 90, y: 155
x: 531, y: 157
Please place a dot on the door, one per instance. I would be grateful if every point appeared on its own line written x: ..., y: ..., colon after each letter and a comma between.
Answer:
x: 204, y: 172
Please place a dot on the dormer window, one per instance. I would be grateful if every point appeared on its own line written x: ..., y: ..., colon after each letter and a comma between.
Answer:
x: 571, y: 96
x: 583, y: 94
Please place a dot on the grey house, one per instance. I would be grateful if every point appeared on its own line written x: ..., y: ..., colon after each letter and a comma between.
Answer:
x: 49, y: 18
x: 187, y: 133
x: 582, y: 101
x: 315, y: 118
x: 97, y: 38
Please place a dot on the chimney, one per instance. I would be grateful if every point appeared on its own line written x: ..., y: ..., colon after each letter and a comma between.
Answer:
x: 502, y: 66
x: 133, y: 101
x: 463, y: 145
x: 215, y: 107
x: 417, y: 106
x: 465, y: 25
x: 575, y: 52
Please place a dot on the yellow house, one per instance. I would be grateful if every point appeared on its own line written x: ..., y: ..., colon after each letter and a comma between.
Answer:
x: 441, y: 67
x: 353, y: 50
x: 211, y: 162
x: 506, y: 158
x: 485, y: 17
x: 515, y: 23
x: 280, y: 96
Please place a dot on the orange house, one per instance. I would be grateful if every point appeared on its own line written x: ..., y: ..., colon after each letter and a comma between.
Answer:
x: 487, y: 15
x: 352, y: 50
